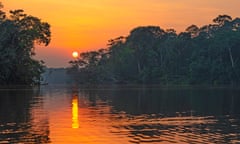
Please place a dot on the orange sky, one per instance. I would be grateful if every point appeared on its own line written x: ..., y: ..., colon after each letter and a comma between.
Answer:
x: 83, y: 25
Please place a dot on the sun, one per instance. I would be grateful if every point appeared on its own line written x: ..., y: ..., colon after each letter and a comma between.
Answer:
x: 75, y: 54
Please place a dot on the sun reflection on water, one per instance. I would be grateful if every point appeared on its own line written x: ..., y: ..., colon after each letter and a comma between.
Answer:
x: 75, y: 122
x: 118, y: 116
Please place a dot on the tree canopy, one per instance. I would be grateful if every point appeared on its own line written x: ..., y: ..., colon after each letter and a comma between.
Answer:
x: 149, y: 54
x: 19, y: 33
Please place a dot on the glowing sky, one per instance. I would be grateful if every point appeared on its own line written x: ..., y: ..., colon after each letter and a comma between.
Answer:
x: 82, y: 25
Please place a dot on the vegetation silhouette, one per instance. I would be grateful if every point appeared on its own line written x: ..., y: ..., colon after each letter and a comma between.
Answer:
x: 151, y: 55
x: 19, y: 33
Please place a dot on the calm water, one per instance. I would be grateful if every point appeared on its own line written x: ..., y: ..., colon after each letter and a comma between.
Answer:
x: 117, y: 115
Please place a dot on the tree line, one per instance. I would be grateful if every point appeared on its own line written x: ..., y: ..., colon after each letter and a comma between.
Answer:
x: 151, y: 55
x: 19, y: 33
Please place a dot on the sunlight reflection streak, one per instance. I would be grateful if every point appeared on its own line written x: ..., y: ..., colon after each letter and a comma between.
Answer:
x: 75, y: 123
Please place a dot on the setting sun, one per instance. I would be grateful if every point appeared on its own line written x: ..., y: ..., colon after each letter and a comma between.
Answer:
x: 75, y: 54
x: 118, y: 18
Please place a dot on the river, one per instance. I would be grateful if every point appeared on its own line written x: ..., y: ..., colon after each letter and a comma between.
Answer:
x: 119, y: 115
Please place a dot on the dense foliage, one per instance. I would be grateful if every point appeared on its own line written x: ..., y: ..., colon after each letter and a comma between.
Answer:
x: 200, y: 55
x: 19, y: 33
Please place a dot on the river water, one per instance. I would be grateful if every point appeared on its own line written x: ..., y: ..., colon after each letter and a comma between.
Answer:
x: 119, y: 115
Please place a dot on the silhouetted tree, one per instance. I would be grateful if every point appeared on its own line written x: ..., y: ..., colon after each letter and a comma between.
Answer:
x: 200, y: 55
x: 18, y: 35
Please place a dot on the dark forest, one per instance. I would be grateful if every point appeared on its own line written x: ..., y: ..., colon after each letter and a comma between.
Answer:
x: 151, y: 55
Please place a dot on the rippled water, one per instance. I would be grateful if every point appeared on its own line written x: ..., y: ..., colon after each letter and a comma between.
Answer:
x: 119, y: 115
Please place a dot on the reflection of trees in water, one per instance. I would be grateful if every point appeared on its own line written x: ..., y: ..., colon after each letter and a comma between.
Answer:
x: 172, y: 115
x: 179, y: 129
x: 22, y: 119
x: 94, y: 98
x: 168, y: 101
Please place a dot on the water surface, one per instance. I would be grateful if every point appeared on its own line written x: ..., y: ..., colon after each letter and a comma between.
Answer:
x: 117, y: 115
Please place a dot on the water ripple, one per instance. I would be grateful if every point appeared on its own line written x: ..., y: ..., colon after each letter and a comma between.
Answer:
x: 188, y: 129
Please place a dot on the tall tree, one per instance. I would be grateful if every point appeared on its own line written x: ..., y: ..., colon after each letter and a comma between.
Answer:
x: 19, y: 33
x: 200, y: 55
